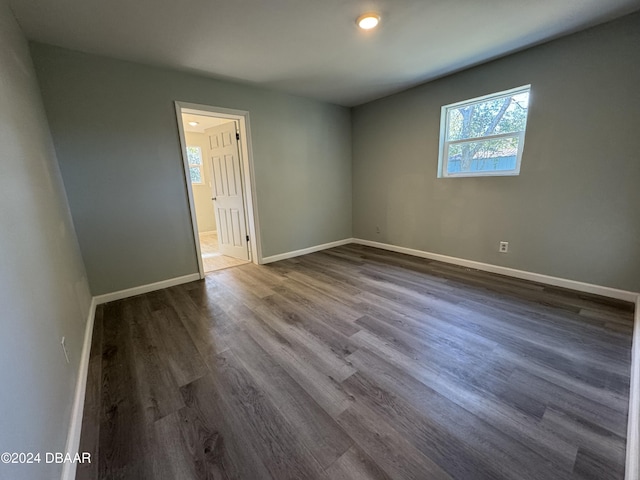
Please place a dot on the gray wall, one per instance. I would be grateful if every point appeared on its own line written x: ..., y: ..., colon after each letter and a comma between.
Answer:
x: 116, y: 137
x: 44, y: 294
x: 574, y: 211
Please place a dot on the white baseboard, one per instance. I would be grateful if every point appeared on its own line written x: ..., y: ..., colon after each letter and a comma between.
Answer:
x: 77, y: 410
x: 304, y: 251
x: 632, y: 470
x: 511, y: 272
x: 130, y: 292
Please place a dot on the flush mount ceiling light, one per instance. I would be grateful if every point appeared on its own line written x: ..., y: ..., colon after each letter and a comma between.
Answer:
x: 368, y: 21
x: 193, y: 124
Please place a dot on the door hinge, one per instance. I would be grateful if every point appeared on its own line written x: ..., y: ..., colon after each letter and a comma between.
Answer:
x: 237, y: 136
x: 247, y: 238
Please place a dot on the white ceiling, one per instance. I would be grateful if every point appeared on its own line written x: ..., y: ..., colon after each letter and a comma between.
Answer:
x: 311, y: 47
x: 204, y: 122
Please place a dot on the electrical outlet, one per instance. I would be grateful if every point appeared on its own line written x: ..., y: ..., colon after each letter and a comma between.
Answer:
x: 64, y: 348
x: 504, y: 247
x: 377, y: 229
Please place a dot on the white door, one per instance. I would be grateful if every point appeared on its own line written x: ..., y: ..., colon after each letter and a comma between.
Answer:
x: 228, y: 201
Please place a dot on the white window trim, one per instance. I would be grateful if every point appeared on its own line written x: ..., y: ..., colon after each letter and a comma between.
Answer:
x: 199, y: 167
x: 443, y: 147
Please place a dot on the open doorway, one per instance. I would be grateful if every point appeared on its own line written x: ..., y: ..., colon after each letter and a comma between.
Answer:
x: 218, y: 176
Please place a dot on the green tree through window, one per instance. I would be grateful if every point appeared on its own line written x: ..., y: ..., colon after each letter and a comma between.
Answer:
x: 194, y: 155
x: 484, y: 136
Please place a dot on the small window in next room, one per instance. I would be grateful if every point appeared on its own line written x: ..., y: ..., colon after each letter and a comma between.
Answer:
x: 195, y: 165
x: 485, y: 135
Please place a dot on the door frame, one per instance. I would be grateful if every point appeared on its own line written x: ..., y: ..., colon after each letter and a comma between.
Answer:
x: 247, y: 173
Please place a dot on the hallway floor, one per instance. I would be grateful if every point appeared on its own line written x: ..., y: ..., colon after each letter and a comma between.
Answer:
x: 212, y: 259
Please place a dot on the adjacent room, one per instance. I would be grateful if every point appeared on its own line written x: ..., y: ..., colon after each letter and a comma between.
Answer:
x: 215, y: 178
x: 323, y: 240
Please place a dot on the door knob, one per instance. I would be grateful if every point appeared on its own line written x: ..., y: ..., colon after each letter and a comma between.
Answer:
x: 214, y: 198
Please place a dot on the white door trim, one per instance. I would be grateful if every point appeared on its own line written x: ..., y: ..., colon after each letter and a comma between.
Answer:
x: 248, y: 183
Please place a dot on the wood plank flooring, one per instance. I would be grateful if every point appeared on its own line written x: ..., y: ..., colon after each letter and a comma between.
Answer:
x: 356, y: 363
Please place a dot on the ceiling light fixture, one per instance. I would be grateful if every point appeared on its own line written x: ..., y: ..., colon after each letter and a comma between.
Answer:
x: 193, y: 124
x: 368, y: 21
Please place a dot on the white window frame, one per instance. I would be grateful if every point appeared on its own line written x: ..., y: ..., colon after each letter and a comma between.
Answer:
x: 443, y: 152
x: 193, y: 165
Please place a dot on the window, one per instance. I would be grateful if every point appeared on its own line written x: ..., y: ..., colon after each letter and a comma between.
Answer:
x: 484, y: 136
x: 194, y: 154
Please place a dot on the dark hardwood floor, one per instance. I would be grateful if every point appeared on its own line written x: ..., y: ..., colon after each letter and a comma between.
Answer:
x: 356, y: 363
